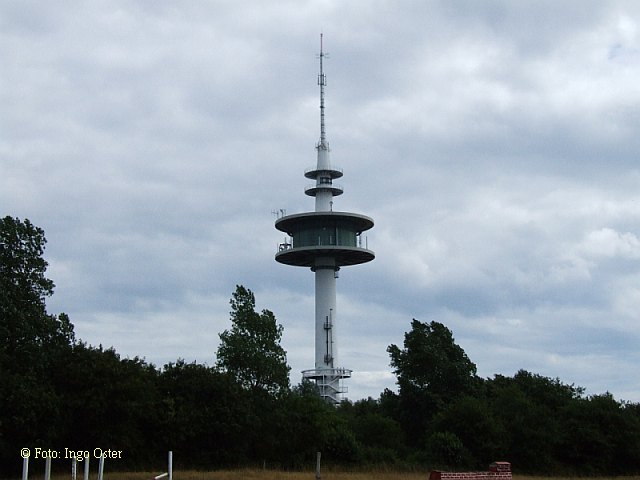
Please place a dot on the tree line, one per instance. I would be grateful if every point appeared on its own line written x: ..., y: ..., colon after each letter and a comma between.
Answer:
x: 58, y: 392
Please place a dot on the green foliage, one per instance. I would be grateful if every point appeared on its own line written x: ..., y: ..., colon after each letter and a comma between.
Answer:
x: 22, y: 265
x: 601, y: 435
x: 380, y: 437
x: 302, y: 417
x: 374, y: 429
x: 341, y: 446
x: 27, y: 332
x: 528, y: 407
x: 108, y: 401
x: 57, y: 392
x: 251, y: 351
x: 479, y: 431
x: 432, y: 362
x: 445, y: 450
x: 205, y: 414
x: 540, y: 424
x: 31, y: 340
x: 432, y: 370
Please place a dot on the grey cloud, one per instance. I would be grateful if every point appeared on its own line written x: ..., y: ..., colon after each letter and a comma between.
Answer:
x: 494, y: 144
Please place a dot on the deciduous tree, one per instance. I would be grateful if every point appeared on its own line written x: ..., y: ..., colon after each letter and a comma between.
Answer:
x: 431, y: 370
x: 251, y: 350
x: 31, y: 340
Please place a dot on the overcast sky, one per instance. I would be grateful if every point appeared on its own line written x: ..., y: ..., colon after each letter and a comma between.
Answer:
x: 494, y: 143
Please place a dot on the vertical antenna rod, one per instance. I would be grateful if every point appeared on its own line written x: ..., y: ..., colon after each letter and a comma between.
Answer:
x: 322, y: 81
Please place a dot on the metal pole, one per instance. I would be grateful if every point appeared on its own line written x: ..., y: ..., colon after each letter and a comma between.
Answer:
x: 318, y: 466
x: 25, y: 468
x: 170, y: 465
x: 101, y: 468
x: 47, y: 469
x: 74, y: 469
x: 86, y: 468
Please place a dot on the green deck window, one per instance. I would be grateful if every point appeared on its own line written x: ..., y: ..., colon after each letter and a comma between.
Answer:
x: 326, y: 235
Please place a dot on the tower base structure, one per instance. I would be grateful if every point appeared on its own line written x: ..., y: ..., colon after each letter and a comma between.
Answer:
x: 329, y: 382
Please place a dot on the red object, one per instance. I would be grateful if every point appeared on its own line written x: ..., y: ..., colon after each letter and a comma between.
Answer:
x: 497, y: 471
x: 500, y: 467
x: 435, y: 475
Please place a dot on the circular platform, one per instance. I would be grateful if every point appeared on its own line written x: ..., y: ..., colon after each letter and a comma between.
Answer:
x: 306, y: 256
x: 314, y: 235
x: 298, y: 221
x: 315, y: 172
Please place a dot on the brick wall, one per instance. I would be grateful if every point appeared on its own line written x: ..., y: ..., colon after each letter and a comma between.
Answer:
x: 499, y: 471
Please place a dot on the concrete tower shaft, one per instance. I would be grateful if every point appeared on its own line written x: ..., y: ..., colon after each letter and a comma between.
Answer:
x: 326, y: 313
x: 324, y: 240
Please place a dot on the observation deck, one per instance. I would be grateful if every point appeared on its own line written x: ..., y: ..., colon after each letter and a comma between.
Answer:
x: 324, y: 234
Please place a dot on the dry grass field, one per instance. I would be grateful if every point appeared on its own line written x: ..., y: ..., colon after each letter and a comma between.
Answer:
x: 279, y: 475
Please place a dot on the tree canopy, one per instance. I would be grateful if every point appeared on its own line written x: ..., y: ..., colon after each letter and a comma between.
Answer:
x: 251, y: 350
x: 26, y: 326
x: 32, y: 342
x: 431, y: 361
x: 431, y: 371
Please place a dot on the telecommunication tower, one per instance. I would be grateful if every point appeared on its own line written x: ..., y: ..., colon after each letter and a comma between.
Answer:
x: 324, y: 240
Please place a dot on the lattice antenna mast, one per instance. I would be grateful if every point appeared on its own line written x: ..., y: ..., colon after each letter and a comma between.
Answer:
x: 322, y: 81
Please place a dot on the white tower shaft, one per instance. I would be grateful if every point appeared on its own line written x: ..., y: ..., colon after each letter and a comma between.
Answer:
x: 324, y: 198
x: 326, y: 313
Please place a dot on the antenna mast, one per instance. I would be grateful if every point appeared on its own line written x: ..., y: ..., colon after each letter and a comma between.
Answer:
x: 322, y: 81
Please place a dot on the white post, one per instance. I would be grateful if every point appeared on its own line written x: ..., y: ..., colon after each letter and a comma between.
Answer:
x: 47, y: 469
x: 170, y: 465
x: 101, y: 468
x: 86, y: 468
x: 318, y: 466
x: 25, y: 468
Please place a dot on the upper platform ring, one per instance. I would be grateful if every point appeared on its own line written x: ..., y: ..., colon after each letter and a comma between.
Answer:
x: 293, y: 223
x: 315, y: 172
